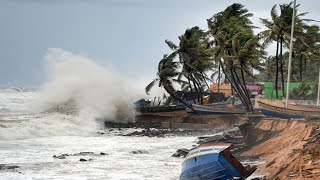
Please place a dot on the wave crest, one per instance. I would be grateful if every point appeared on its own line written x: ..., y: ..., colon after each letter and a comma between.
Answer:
x: 75, y: 84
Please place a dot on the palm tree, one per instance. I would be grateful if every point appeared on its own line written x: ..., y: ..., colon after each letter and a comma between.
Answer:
x: 166, y: 76
x: 245, y: 56
x: 195, y: 55
x: 279, y: 29
x: 235, y: 43
x: 307, y: 47
x: 218, y: 24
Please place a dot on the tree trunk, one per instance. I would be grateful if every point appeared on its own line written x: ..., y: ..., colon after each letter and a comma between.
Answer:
x: 281, y: 65
x: 243, y: 91
x: 190, y: 87
x: 277, y: 69
x: 234, y: 86
x: 239, y: 90
x: 200, y: 94
x: 197, y: 90
x: 172, y: 94
x: 246, y: 90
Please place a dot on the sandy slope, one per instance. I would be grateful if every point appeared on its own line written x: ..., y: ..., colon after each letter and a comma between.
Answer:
x: 279, y: 144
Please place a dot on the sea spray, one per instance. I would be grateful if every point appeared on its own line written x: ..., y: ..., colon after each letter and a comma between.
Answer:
x: 93, y: 89
x: 77, y: 96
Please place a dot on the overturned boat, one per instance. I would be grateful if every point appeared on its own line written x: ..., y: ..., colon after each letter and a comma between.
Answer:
x: 213, y: 161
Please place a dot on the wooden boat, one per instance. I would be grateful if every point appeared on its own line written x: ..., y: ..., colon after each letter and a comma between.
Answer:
x: 304, y: 107
x: 202, y: 109
x: 213, y: 161
x: 293, y: 111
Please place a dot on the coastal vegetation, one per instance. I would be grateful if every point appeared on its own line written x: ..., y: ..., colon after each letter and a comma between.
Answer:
x: 233, y: 50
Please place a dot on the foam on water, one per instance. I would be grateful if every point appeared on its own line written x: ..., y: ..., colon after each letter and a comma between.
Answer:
x: 92, y: 88
x: 77, y: 96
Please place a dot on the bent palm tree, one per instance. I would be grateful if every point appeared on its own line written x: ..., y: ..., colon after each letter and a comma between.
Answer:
x: 167, y: 72
x: 195, y: 55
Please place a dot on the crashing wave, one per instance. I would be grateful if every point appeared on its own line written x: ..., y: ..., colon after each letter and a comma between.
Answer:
x: 76, y: 85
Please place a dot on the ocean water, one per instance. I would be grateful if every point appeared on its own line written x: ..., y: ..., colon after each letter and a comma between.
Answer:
x: 61, y: 118
x: 29, y: 140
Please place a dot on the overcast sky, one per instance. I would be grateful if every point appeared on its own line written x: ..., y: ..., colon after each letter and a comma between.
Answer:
x: 127, y: 35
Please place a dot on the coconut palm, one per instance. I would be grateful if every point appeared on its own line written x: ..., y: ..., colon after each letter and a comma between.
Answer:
x: 245, y: 56
x: 166, y: 76
x: 218, y: 24
x: 195, y: 55
x: 279, y: 30
x: 307, y: 48
x: 235, y: 43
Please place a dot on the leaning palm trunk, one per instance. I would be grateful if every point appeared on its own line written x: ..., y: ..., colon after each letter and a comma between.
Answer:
x: 239, y: 89
x: 233, y: 84
x: 243, y: 91
x: 201, y: 92
x: 188, y: 77
x: 245, y: 86
x: 197, y: 90
x: 172, y: 94
x: 196, y: 83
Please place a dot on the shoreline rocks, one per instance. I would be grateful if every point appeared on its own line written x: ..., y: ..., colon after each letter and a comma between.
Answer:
x: 64, y: 156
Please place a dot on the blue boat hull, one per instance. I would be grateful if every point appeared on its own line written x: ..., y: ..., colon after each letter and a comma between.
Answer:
x: 209, y: 167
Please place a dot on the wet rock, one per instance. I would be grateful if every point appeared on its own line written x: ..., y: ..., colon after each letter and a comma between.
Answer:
x: 181, y: 153
x: 139, y: 152
x: 8, y: 167
x: 13, y: 167
x: 83, y: 154
x: 59, y: 157
x: 148, y: 132
x: 62, y: 156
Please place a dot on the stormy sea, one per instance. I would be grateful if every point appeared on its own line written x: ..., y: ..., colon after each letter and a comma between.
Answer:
x: 57, y: 131
x: 54, y: 132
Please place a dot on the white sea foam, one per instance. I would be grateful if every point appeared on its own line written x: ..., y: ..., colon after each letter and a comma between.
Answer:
x: 77, y: 96
x: 94, y: 89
